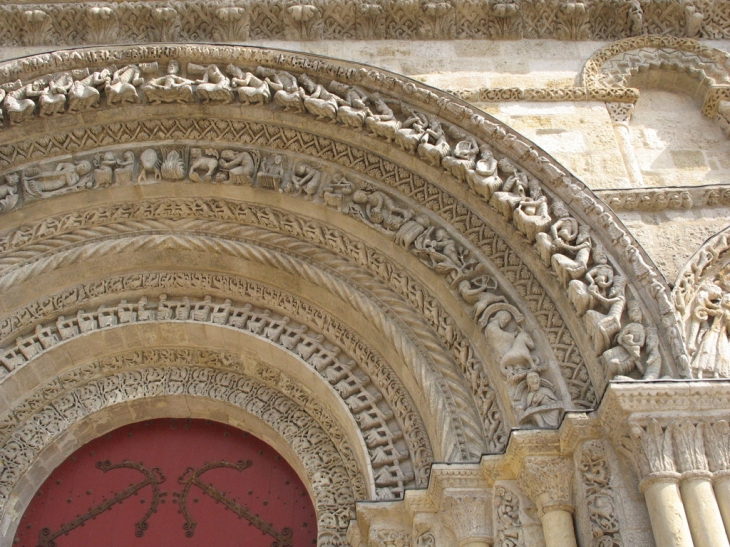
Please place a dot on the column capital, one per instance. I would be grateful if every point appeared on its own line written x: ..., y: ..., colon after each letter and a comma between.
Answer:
x: 548, y: 482
x: 468, y: 513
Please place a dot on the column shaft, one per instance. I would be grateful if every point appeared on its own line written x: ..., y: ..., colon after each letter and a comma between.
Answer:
x: 623, y: 138
x: 703, y: 514
x: 557, y: 527
x: 666, y: 512
x: 722, y: 494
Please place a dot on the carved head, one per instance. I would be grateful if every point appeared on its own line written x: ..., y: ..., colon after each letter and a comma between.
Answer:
x: 635, y: 314
x: 533, y: 380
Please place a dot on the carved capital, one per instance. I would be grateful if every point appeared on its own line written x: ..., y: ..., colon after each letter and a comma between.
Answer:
x: 467, y: 514
x: 548, y: 482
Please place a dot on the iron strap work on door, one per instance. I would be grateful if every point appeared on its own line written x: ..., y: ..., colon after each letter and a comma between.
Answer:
x: 153, y: 478
x: 192, y: 477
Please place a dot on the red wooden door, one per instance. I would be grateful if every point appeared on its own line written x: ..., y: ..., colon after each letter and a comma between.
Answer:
x: 176, y: 483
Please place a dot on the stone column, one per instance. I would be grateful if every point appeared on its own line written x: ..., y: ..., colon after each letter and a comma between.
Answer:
x: 703, y: 513
x: 652, y: 448
x: 666, y: 511
x: 467, y: 513
x: 620, y: 114
x: 548, y: 482
x: 721, y: 483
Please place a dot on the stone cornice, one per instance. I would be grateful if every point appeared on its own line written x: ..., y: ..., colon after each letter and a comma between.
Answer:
x: 57, y: 23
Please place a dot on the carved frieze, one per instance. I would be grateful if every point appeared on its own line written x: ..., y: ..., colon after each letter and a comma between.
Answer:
x: 64, y: 24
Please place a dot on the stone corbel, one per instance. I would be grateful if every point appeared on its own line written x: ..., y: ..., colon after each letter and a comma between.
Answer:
x: 548, y: 482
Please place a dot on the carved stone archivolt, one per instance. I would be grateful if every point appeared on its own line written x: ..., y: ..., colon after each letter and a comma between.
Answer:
x: 94, y: 23
x: 367, y: 387
x: 619, y: 64
x: 535, y: 210
x: 52, y: 409
x: 702, y: 299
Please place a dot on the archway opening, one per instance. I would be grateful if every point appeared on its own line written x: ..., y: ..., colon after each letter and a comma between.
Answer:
x: 170, y: 481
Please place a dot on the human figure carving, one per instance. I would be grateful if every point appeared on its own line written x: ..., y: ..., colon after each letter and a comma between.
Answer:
x: 353, y: 108
x: 484, y: 179
x: 514, y: 190
x: 84, y: 93
x: 379, y: 210
x: 538, y: 401
x: 251, y: 89
x: 620, y: 360
x: 214, y: 86
x: 511, y: 345
x: 382, y: 123
x: 171, y: 88
x: 434, y: 146
x: 65, y: 176
x: 19, y: 104
x: 287, y: 92
x: 602, y: 327
x: 123, y: 86
x: 712, y: 359
x: 318, y: 101
x: 462, y: 158
x: 240, y: 167
x: 409, y: 135
x: 149, y: 161
x: 52, y: 98
x: 531, y: 215
x: 478, y: 293
x: 411, y: 230
x: 599, y: 279
x: 305, y: 179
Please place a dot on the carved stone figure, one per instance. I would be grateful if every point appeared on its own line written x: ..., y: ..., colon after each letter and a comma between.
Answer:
x: 272, y: 172
x: 353, y: 107
x: 712, y: 358
x: 214, y: 86
x: 149, y: 162
x: 539, y: 404
x: 567, y: 247
x: 514, y: 190
x: 19, y: 104
x: 511, y: 344
x: 305, y: 179
x: 625, y: 356
x: 411, y: 130
x: 379, y: 210
x: 462, y: 159
x: 478, y: 293
x: 319, y: 102
x: 484, y: 179
x: 382, y: 123
x: 599, y: 279
x: 434, y: 146
x: 9, y: 192
x: 52, y: 98
x: 84, y: 93
x: 441, y: 253
x: 604, y: 326
x: 239, y: 166
x: 123, y: 86
x: 531, y: 215
x: 171, y: 88
x: 64, y: 177
x: 250, y: 89
x: 411, y: 230
x: 202, y: 166
x: 287, y: 92
x: 173, y: 166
